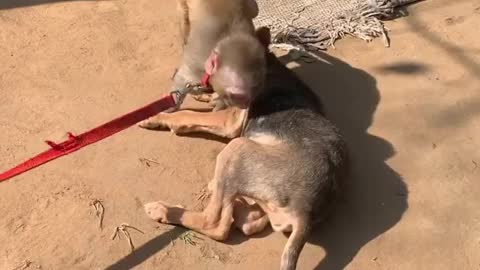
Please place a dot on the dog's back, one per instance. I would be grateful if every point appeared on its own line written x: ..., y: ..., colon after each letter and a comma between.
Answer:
x: 291, y: 112
x: 297, y: 182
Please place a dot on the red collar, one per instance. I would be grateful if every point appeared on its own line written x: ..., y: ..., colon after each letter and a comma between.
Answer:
x: 205, y: 80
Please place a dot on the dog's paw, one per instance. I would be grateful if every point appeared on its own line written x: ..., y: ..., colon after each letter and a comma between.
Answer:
x: 159, y: 210
x: 154, y: 122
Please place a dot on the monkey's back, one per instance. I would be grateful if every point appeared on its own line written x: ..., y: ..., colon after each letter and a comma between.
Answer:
x: 209, y: 21
x: 216, y: 19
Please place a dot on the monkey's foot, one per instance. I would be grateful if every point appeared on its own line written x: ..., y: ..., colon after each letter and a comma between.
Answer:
x: 161, y: 211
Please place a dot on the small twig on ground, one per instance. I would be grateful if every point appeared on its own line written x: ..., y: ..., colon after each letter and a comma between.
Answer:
x: 148, y: 162
x: 202, y: 196
x: 99, y: 211
x: 24, y: 266
x: 123, y: 228
x: 189, y: 238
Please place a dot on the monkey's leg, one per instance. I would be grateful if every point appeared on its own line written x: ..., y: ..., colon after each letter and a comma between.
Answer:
x: 215, y: 221
x: 225, y: 123
x: 184, y: 20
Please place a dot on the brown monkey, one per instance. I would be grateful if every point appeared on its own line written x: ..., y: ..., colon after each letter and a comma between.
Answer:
x: 289, y: 161
x: 218, y: 39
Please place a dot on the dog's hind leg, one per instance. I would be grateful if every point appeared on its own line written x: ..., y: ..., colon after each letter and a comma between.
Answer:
x: 249, y: 218
x: 216, y: 219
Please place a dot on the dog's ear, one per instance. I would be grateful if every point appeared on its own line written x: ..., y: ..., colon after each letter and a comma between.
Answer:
x: 264, y: 36
x: 252, y: 8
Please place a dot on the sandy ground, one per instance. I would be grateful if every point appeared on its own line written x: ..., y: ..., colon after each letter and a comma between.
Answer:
x: 410, y: 114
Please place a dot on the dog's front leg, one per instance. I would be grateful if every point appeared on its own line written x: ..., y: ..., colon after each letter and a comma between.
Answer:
x: 225, y: 123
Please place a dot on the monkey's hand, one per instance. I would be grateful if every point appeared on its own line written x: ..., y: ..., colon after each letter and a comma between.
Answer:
x: 203, y: 97
x: 213, y: 100
x: 218, y: 105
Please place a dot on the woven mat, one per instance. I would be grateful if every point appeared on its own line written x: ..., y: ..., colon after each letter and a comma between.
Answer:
x: 317, y: 24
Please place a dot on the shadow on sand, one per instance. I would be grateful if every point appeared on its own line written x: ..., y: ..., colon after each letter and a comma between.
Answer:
x: 375, y: 196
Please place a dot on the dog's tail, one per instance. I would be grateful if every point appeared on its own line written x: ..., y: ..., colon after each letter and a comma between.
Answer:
x: 294, y: 245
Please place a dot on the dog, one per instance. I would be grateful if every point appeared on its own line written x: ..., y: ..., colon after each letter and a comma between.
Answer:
x: 284, y: 165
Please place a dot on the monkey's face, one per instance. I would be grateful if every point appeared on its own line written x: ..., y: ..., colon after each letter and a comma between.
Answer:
x: 239, y: 87
x: 237, y: 70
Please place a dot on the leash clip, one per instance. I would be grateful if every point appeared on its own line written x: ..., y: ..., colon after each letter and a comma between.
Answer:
x: 180, y: 94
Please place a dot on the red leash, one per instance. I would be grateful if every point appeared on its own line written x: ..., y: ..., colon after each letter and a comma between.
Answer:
x: 76, y: 142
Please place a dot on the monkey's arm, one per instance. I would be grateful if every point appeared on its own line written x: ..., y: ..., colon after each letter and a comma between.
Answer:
x: 225, y: 123
x: 184, y: 20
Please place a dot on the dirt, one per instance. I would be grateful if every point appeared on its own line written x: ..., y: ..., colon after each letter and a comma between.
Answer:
x: 410, y: 114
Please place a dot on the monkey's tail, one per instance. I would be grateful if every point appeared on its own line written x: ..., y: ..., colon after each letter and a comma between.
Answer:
x: 295, y: 244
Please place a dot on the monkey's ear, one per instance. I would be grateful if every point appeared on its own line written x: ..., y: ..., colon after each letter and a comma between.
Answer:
x: 264, y: 36
x: 211, y: 63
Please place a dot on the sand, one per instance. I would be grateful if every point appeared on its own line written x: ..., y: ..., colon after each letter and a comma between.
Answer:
x: 410, y: 114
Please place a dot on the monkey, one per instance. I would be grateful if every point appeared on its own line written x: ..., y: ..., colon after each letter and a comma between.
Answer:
x: 204, y: 24
x: 287, y: 165
x: 219, y: 43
